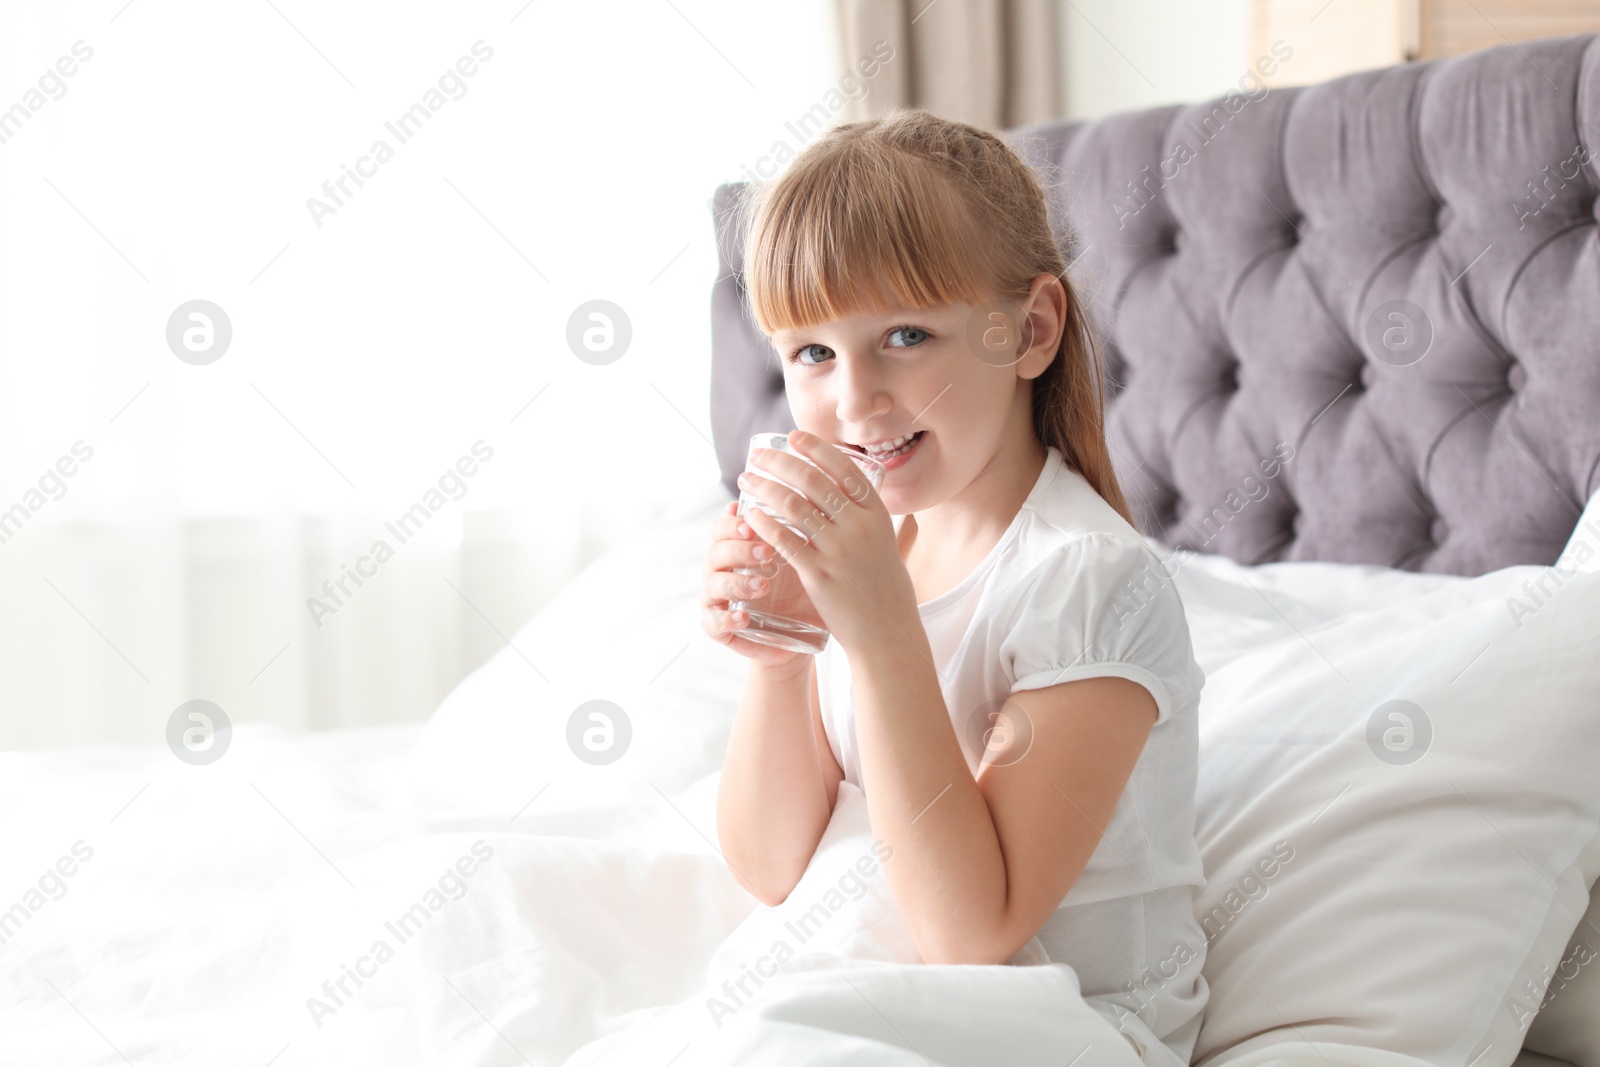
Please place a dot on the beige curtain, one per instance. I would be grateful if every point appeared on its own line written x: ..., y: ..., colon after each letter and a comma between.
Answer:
x: 991, y: 63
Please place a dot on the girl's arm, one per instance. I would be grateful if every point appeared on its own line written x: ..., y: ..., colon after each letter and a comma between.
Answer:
x: 779, y: 781
x: 979, y: 865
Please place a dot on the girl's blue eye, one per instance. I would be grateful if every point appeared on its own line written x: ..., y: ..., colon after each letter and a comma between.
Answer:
x: 802, y: 350
x: 918, y: 335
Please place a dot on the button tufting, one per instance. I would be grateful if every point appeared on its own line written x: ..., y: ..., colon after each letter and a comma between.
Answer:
x: 1516, y: 377
x: 1367, y: 376
x: 1230, y: 377
x: 1438, y: 531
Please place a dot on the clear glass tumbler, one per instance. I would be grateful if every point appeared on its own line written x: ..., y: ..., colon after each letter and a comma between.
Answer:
x: 767, y: 626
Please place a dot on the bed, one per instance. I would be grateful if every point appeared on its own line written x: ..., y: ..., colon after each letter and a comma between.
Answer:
x: 1400, y: 627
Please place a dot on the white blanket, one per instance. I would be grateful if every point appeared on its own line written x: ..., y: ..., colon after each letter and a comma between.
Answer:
x: 287, y: 905
x: 226, y: 917
x: 672, y: 962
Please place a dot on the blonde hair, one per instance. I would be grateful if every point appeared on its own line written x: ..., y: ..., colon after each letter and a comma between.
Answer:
x: 913, y: 210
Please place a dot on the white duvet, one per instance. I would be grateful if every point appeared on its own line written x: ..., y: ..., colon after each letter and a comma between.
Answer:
x: 468, y: 893
x: 206, y: 929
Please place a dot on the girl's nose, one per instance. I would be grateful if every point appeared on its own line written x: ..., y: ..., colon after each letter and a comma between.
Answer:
x: 862, y: 396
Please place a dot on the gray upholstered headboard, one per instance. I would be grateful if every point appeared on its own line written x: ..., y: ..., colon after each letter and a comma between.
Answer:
x: 1244, y: 259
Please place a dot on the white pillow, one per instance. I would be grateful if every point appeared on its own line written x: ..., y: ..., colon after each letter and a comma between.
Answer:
x: 1357, y: 898
x: 1230, y: 612
x: 1583, y: 547
x: 1233, y: 608
x: 1568, y: 1026
x: 627, y: 631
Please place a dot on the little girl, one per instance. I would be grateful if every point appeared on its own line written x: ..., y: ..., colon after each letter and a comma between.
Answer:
x: 1009, y: 679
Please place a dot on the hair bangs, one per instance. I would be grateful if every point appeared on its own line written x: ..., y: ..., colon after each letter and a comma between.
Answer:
x: 869, y: 233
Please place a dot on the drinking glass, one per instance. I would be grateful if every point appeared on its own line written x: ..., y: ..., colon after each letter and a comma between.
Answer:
x: 769, y: 627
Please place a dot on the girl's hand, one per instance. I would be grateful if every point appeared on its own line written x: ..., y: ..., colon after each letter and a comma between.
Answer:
x: 774, y: 587
x: 849, y: 559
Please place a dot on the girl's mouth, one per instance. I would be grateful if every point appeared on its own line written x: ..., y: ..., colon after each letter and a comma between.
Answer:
x: 896, y: 457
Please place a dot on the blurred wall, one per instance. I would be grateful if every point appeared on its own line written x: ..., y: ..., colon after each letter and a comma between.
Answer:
x: 1121, y: 55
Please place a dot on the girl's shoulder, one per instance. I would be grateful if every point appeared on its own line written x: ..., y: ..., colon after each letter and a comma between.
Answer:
x: 1077, y: 599
x: 1064, y: 505
x: 1066, y: 524
x: 1050, y: 567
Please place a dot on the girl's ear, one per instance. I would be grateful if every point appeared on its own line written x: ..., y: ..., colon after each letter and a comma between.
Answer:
x: 1044, y: 317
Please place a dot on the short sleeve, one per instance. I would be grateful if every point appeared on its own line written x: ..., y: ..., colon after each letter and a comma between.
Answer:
x: 1101, y: 605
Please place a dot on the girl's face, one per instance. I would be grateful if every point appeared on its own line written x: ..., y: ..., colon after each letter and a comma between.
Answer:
x: 871, y: 378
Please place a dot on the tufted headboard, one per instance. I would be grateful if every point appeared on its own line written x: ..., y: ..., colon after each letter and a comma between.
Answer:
x: 1392, y: 278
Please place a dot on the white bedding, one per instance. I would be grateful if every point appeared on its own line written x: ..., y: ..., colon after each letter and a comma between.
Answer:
x: 560, y: 913
x: 204, y: 923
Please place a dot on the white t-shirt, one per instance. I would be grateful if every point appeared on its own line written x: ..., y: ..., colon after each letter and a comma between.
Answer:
x: 1072, y: 591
